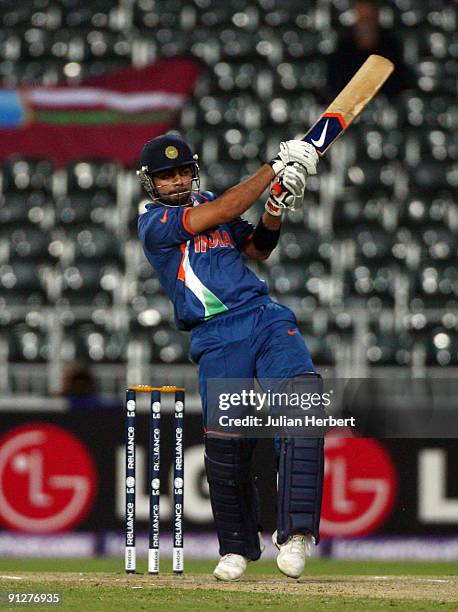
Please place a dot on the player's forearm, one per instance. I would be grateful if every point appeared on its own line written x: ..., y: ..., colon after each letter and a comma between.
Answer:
x: 234, y: 202
x: 272, y: 223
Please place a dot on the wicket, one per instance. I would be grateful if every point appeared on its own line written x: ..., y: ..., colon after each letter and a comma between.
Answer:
x: 154, y: 477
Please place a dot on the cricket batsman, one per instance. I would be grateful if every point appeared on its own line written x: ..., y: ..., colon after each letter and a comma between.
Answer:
x: 197, y: 244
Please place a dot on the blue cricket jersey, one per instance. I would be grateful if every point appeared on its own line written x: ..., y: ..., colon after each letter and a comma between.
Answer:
x: 203, y: 274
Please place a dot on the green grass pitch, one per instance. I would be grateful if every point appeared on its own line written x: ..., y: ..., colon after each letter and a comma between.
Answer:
x: 101, y: 584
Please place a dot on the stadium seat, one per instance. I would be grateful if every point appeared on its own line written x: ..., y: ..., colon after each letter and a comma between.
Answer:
x: 148, y: 15
x: 298, y: 244
x: 85, y: 284
x: 370, y: 281
x: 147, y: 295
x: 26, y: 241
x: 17, y: 209
x: 162, y: 343
x: 436, y: 344
x: 23, y: 284
x: 94, y: 243
x: 435, y: 286
x: 94, y: 342
x: 358, y: 206
x: 429, y: 176
x: 92, y: 175
x: 301, y: 279
x: 387, y: 348
x: 28, y: 343
x: 26, y: 175
x: 97, y: 208
x: 370, y: 175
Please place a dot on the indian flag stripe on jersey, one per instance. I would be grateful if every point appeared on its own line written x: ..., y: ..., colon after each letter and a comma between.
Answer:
x: 212, y: 305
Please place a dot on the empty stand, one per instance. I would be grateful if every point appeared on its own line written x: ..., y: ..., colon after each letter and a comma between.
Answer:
x: 368, y: 265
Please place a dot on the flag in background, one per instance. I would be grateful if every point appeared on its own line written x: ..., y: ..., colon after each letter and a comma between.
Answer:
x: 111, y: 116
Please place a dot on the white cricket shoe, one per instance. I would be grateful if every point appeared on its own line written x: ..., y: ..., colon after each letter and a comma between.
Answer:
x: 231, y: 567
x: 291, y: 558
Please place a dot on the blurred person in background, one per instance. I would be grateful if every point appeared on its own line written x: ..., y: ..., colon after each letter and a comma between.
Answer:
x: 80, y: 387
x: 366, y: 37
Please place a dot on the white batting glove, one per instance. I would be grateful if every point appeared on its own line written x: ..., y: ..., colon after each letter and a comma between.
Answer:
x: 287, y: 192
x: 296, y: 151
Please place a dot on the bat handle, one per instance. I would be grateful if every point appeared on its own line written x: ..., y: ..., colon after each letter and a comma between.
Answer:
x: 277, y: 189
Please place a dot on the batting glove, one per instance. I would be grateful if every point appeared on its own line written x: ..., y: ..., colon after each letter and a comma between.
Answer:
x: 287, y: 192
x: 295, y: 151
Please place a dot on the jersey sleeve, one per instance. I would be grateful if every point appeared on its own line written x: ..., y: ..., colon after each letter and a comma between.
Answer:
x: 164, y: 227
x: 241, y: 231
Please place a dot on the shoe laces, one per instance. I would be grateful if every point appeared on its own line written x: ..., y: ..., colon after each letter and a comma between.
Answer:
x: 298, y: 544
x: 230, y: 558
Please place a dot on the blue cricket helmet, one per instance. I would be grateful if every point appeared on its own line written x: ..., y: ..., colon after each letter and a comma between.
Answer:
x: 162, y: 153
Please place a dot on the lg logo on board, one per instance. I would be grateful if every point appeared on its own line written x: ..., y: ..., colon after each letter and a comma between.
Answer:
x: 47, y: 479
x: 359, y: 487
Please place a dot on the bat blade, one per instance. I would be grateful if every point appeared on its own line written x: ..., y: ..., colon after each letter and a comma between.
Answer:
x: 349, y: 103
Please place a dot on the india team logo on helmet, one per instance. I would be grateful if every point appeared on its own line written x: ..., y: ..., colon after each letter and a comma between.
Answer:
x: 171, y: 152
x: 164, y: 153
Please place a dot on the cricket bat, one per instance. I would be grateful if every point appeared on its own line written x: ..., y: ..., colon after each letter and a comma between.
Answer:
x: 353, y: 98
